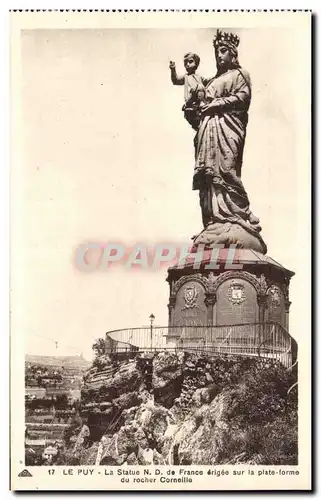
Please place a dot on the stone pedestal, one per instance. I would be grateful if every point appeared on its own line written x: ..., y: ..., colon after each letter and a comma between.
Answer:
x: 253, y: 288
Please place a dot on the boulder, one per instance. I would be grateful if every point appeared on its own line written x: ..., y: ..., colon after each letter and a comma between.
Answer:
x: 127, y: 400
x: 167, y: 377
x: 132, y: 459
x: 145, y: 456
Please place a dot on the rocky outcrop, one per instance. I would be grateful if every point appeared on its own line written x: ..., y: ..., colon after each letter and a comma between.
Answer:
x: 168, y: 376
x: 184, y: 408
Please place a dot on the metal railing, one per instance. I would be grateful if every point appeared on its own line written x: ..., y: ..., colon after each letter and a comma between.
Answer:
x: 266, y: 340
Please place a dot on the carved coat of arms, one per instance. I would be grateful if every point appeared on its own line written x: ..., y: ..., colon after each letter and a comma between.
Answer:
x: 236, y: 293
x: 190, y: 296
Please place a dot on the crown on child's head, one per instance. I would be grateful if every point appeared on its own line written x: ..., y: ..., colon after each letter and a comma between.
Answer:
x: 231, y: 40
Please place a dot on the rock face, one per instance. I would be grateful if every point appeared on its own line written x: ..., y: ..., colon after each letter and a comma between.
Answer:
x: 188, y: 409
x: 168, y: 376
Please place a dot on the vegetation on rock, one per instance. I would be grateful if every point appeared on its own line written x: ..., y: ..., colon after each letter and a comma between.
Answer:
x: 186, y: 408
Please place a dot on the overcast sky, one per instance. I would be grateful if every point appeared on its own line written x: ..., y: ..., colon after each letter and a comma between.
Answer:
x: 107, y: 156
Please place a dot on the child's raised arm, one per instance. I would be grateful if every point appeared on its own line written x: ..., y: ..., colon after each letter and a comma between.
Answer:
x: 176, y: 80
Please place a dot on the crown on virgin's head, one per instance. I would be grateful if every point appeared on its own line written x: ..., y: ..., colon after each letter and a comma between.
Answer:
x: 225, y: 38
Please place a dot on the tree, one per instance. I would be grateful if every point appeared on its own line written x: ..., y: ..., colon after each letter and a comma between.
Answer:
x: 99, y: 347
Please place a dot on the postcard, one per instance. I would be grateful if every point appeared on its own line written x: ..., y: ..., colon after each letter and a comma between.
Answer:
x: 160, y: 251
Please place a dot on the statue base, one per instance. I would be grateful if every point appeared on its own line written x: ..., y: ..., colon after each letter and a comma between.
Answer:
x: 230, y: 234
x: 251, y: 288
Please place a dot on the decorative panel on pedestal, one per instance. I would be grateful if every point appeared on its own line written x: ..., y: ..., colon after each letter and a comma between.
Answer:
x: 236, y: 303
x: 190, y: 308
x: 275, y: 305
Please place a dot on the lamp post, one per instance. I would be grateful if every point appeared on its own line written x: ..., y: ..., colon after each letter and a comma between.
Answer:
x: 151, y: 317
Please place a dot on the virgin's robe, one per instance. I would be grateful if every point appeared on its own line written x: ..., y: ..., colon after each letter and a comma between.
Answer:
x: 219, y: 145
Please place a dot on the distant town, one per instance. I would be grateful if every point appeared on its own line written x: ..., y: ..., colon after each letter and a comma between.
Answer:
x: 52, y: 395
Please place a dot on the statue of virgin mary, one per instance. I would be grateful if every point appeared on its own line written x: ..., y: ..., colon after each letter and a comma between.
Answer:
x: 219, y: 145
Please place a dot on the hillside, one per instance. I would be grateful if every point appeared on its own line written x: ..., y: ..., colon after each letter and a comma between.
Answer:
x: 184, y: 409
x: 58, y: 361
x: 47, y: 376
